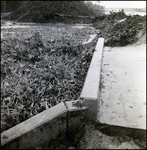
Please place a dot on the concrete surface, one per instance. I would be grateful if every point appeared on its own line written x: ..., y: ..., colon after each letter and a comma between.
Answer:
x: 100, y: 45
x: 76, y: 116
x: 91, y: 84
x: 123, y: 87
x: 90, y: 90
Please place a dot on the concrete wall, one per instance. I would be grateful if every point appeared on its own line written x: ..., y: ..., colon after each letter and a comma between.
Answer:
x: 90, y: 91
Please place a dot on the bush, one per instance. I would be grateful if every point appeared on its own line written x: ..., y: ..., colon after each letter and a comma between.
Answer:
x: 118, y: 29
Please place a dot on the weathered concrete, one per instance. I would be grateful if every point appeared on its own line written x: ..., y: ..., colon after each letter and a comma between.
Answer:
x: 91, y: 85
x: 90, y: 89
x: 76, y: 116
x: 42, y: 128
x: 92, y: 105
x: 123, y: 87
x: 99, y: 46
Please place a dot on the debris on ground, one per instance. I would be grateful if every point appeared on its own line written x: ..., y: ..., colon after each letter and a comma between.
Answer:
x: 118, y: 29
x: 51, y: 11
x: 90, y: 137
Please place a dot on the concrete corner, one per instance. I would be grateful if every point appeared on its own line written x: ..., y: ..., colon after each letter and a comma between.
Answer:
x: 92, y: 105
x: 76, y: 116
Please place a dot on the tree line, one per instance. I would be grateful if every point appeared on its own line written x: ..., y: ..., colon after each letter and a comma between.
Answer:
x: 11, y: 6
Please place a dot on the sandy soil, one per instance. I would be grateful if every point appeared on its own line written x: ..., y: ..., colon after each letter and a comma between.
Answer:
x: 90, y: 137
x: 95, y: 139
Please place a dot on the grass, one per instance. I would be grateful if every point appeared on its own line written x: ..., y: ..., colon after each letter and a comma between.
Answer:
x: 40, y: 67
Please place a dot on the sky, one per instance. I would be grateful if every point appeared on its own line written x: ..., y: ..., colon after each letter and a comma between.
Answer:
x: 122, y: 4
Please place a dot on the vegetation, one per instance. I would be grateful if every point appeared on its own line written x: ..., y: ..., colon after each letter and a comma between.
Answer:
x: 45, y: 11
x: 41, y: 69
x: 11, y: 6
x: 118, y: 29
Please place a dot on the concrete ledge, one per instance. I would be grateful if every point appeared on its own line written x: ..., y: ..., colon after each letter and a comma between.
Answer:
x: 100, y: 45
x: 90, y: 89
x: 92, y: 108
x: 41, y: 128
x: 91, y: 85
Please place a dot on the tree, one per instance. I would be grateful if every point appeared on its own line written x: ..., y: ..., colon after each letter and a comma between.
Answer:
x: 3, y: 6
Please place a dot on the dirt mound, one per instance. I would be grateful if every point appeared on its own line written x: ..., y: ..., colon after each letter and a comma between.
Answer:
x: 89, y: 136
x: 119, y: 29
x: 38, y: 11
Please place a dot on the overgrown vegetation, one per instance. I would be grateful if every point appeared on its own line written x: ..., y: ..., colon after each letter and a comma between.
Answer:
x: 10, y: 6
x: 37, y: 74
x: 118, y: 29
x: 36, y: 11
x: 46, y: 11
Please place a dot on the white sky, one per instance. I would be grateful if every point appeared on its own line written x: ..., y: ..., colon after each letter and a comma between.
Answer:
x: 122, y: 4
